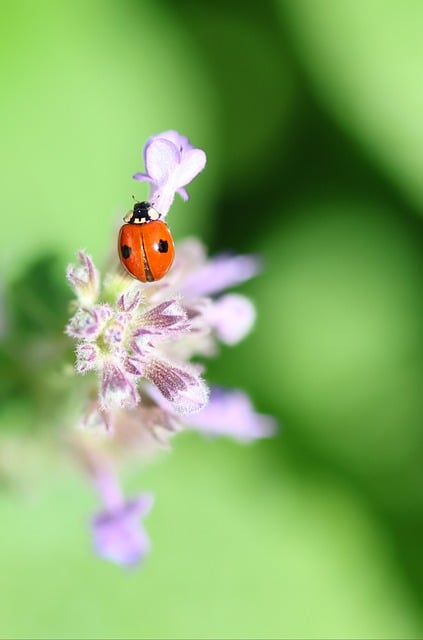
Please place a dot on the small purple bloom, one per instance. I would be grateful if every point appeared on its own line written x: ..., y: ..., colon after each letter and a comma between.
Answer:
x: 219, y: 273
x: 230, y: 413
x: 232, y: 316
x: 171, y: 163
x: 118, y: 534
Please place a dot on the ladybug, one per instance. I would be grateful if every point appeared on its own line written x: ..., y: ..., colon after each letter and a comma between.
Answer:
x: 145, y: 244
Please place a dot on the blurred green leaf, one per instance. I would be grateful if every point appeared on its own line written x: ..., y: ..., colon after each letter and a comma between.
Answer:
x: 83, y: 87
x: 251, y: 73
x: 364, y: 60
x: 33, y: 348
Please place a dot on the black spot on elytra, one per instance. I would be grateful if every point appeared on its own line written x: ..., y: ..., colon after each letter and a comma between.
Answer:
x: 162, y: 246
x: 126, y: 251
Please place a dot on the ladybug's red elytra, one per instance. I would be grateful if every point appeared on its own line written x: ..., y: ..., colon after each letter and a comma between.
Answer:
x: 145, y: 244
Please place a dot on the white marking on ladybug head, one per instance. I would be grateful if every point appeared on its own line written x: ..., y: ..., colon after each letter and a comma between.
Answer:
x: 153, y: 214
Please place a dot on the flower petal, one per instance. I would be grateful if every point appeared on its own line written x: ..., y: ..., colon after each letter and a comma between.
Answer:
x: 142, y: 177
x: 84, y: 279
x: 181, y: 142
x: 230, y: 413
x: 87, y: 357
x: 167, y: 317
x: 232, y: 317
x: 192, y: 162
x: 180, y: 384
x: 119, y: 536
x: 117, y: 388
x: 161, y: 160
x: 88, y: 323
x: 219, y: 273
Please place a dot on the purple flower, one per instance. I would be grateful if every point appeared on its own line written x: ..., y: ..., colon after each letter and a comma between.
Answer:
x: 171, y: 163
x: 117, y: 531
x: 213, y: 276
x: 118, y: 535
x: 232, y: 317
x: 230, y: 413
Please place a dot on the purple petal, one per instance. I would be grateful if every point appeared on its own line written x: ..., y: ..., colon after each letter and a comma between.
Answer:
x: 162, y: 197
x: 84, y: 279
x: 180, y: 384
x: 142, y: 177
x: 161, y: 160
x: 167, y: 317
x: 192, y: 162
x: 230, y: 413
x: 129, y: 300
x: 181, y: 142
x: 117, y: 388
x: 87, y: 357
x: 220, y: 273
x: 232, y: 317
x: 118, y: 534
x: 88, y: 323
x: 183, y: 193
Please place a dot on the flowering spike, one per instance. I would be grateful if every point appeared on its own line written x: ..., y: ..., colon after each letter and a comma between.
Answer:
x: 139, y: 339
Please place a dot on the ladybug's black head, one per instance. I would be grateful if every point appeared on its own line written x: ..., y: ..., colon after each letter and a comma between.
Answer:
x: 141, y: 213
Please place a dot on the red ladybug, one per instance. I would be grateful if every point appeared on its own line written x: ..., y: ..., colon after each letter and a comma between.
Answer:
x: 145, y: 244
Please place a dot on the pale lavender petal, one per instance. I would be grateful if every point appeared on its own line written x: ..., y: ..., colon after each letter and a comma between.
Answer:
x: 232, y: 317
x: 230, y: 413
x: 182, y: 385
x: 162, y: 197
x: 84, y: 279
x: 219, y: 273
x: 161, y: 160
x: 183, y: 193
x: 181, y: 142
x: 167, y: 317
x: 192, y: 162
x: 118, y: 534
x: 142, y: 177
x: 118, y: 388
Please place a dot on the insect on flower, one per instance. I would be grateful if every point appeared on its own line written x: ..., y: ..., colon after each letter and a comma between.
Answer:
x: 141, y: 343
x: 145, y: 244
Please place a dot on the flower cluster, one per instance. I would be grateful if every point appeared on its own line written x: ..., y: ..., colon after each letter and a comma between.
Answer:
x: 140, y: 339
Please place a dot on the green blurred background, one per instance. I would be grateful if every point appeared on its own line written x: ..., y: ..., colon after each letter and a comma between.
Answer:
x: 311, y: 113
